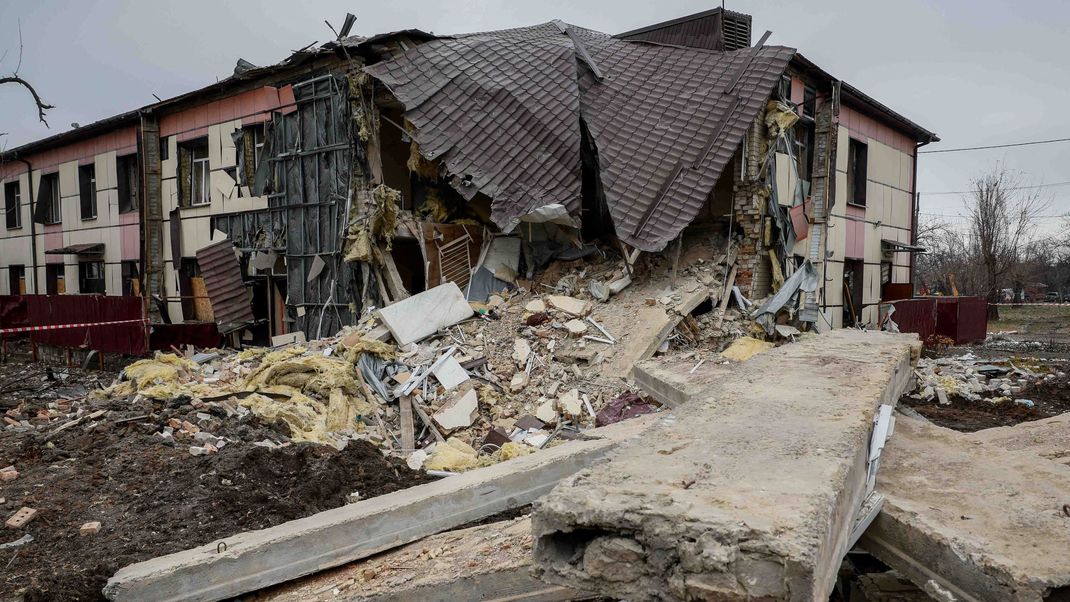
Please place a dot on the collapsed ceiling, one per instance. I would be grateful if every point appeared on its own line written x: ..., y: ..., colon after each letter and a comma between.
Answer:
x: 502, y: 110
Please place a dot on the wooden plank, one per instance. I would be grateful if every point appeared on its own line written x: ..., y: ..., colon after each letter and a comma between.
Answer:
x: 258, y: 559
x: 726, y: 295
x: 392, y: 278
x: 408, y: 436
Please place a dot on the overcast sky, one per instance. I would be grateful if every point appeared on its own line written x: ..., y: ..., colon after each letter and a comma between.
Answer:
x: 976, y: 72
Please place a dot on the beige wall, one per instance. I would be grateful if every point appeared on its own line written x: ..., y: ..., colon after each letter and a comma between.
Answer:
x: 887, y: 215
x: 16, y: 247
x: 197, y: 221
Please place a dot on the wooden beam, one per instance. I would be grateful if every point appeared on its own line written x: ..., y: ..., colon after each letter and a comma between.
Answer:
x: 390, y: 274
x: 727, y: 294
x: 408, y: 437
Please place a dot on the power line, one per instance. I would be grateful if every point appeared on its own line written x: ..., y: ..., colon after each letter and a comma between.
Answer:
x: 1009, y: 188
x: 966, y: 216
x: 973, y: 148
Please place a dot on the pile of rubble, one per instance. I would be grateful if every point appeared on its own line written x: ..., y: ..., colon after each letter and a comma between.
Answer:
x: 452, y: 384
x: 974, y: 379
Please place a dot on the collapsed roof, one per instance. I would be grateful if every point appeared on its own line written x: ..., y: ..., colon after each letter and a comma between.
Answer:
x: 502, y: 111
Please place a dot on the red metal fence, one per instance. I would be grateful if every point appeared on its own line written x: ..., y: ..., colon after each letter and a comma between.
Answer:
x: 964, y: 320
x: 96, y: 316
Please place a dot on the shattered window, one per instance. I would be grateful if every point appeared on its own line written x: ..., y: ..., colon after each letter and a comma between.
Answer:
x: 91, y: 277
x: 128, y: 183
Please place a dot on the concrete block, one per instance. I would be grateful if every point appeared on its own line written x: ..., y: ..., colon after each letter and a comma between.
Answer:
x: 424, y: 314
x: 750, y: 493
x: 257, y: 559
x: 971, y: 521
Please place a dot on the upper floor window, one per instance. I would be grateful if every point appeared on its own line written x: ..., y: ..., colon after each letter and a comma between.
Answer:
x: 857, y: 155
x: 250, y: 153
x: 87, y: 190
x: 48, y: 208
x: 12, y: 205
x: 127, y: 172
x: 194, y: 173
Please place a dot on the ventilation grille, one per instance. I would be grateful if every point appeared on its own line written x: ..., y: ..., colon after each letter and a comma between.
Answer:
x: 736, y: 30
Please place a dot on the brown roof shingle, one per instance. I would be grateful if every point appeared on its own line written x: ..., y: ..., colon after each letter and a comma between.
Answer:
x: 502, y: 110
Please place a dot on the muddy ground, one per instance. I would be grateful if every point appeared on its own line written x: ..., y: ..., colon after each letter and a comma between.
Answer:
x: 152, y: 497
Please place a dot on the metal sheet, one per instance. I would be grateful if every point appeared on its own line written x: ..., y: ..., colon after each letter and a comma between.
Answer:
x: 91, y: 248
x: 231, y: 300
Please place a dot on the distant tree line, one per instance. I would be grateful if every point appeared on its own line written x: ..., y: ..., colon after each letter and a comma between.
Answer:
x: 997, y: 253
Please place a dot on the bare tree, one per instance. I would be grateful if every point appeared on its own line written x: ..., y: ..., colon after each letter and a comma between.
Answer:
x: 14, y: 78
x: 1002, y: 218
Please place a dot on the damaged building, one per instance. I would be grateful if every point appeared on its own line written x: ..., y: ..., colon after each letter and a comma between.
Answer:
x: 361, y: 171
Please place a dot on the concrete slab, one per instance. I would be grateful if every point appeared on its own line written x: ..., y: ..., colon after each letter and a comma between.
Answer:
x: 1049, y: 438
x: 258, y: 559
x: 488, y: 562
x: 750, y: 493
x: 422, y: 315
x: 970, y: 521
x: 673, y: 383
x: 649, y: 327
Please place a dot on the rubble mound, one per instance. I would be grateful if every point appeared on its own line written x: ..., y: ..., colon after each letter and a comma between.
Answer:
x: 152, y: 498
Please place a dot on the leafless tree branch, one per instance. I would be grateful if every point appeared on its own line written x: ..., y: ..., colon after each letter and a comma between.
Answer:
x: 42, y: 106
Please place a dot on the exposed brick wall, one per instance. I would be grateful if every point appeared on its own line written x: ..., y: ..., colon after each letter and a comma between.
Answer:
x: 749, y: 194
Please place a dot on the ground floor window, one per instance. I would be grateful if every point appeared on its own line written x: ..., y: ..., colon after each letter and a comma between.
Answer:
x: 131, y: 279
x: 91, y: 277
x: 17, y: 279
x: 54, y: 281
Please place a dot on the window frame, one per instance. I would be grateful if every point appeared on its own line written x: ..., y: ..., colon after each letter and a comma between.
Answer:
x: 13, y: 210
x: 126, y: 171
x: 205, y: 167
x: 87, y: 186
x: 54, y: 274
x: 857, y: 171
x: 16, y: 284
x: 97, y: 266
x: 54, y: 208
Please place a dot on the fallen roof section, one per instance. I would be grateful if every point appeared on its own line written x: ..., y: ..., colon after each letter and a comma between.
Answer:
x: 503, y: 111
x: 500, y: 110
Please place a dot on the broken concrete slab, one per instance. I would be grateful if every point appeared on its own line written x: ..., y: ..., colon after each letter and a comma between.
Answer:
x: 971, y: 521
x: 535, y: 306
x: 570, y: 305
x: 1048, y: 438
x: 257, y: 559
x: 652, y: 324
x: 576, y: 328
x: 449, y: 373
x: 487, y: 562
x: 673, y: 383
x: 521, y: 352
x: 423, y: 314
x: 750, y: 493
x: 459, y: 412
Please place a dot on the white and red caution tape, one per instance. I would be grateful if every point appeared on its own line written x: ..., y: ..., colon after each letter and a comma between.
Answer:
x: 64, y: 326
